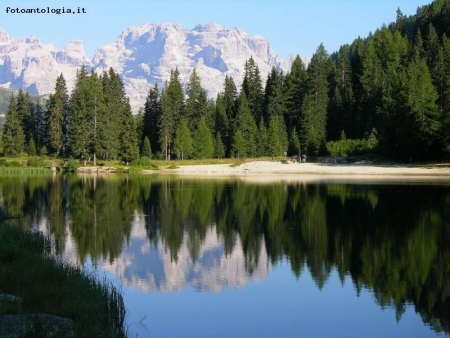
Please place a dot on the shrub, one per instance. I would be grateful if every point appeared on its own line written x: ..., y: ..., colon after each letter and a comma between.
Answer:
x: 35, y: 162
x: 144, y: 163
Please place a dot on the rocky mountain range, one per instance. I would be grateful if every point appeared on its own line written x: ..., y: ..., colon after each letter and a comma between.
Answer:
x: 142, y: 55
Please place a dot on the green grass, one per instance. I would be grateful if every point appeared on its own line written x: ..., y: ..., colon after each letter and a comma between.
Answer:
x: 47, y: 286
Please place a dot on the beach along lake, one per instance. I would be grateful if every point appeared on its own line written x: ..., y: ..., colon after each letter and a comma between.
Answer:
x: 232, y: 257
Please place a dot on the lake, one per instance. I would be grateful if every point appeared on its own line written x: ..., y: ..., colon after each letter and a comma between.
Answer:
x: 228, y: 257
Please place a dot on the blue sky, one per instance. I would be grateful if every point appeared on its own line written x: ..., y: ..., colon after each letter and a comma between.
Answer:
x: 290, y: 26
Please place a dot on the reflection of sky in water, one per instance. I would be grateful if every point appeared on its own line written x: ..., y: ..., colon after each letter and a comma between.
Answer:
x: 216, y: 295
x: 149, y: 267
x: 272, y: 303
x: 277, y: 306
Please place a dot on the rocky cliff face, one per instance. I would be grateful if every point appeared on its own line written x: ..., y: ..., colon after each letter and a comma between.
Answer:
x: 142, y: 55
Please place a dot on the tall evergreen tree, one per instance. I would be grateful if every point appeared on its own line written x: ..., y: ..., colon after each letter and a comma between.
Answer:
x: 246, y: 124
x: 13, y: 136
x: 152, y: 113
x: 24, y: 111
x: 239, y: 145
x: 166, y: 123
x: 87, y: 112
x: 182, y: 144
x: 129, y: 147
x: 57, y: 106
x: 41, y: 123
x: 274, y: 145
x: 252, y: 87
x: 296, y: 87
x: 115, y: 108
x: 172, y: 109
x: 196, y: 102
x: 146, y: 149
x: 219, y: 148
x: 203, y: 141
x: 315, y: 104
x: 274, y: 96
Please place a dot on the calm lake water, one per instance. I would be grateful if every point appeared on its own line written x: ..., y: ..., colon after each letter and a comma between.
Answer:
x: 233, y: 258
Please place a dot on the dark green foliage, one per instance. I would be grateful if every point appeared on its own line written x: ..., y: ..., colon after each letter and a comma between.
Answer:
x: 253, y: 89
x: 203, y: 145
x: 315, y: 104
x: 144, y: 163
x: 395, y: 81
x: 24, y: 111
x: 32, y: 147
x: 296, y: 88
x: 246, y: 124
x: 128, y: 140
x: 13, y: 136
x: 35, y: 162
x: 152, y: 113
x: 196, y: 102
x: 183, y: 143
x: 294, y: 144
x: 274, y: 96
x: 239, y: 145
x: 58, y: 110
x: 146, y: 149
x: 219, y: 148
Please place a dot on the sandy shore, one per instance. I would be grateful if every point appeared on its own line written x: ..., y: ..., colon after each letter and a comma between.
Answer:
x: 267, y: 168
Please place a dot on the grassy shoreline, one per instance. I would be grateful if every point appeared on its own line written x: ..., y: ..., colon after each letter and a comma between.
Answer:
x: 47, y: 286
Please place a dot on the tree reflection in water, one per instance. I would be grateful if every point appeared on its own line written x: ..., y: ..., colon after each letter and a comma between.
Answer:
x: 393, y: 239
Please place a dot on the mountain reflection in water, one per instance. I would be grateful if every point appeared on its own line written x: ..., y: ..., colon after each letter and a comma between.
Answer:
x: 166, y: 233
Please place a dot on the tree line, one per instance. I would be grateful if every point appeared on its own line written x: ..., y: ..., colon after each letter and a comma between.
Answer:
x: 94, y: 121
x: 388, y: 93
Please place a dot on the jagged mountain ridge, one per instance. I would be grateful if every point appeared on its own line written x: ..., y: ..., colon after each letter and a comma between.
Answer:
x: 142, y: 55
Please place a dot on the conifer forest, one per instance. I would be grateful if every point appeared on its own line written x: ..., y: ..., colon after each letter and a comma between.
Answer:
x: 386, y: 94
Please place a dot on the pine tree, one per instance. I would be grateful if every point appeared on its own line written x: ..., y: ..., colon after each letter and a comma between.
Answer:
x: 79, y: 130
x: 294, y: 144
x: 196, y: 102
x: 221, y: 122
x: 203, y: 141
x: 230, y: 106
x: 274, y: 96
x: 422, y: 104
x: 41, y: 130
x: 32, y: 147
x: 263, y: 141
x: 274, y: 145
x: 252, y: 87
x: 219, y: 148
x: 315, y: 104
x: 129, y: 148
x: 166, y: 123
x: 341, y: 112
x: 246, y: 124
x: 13, y: 136
x: 182, y: 144
x: 110, y: 123
x: 239, y: 146
x: 146, y: 150
x: 152, y: 113
x: 296, y: 87
x: 24, y: 111
x: 57, y: 106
